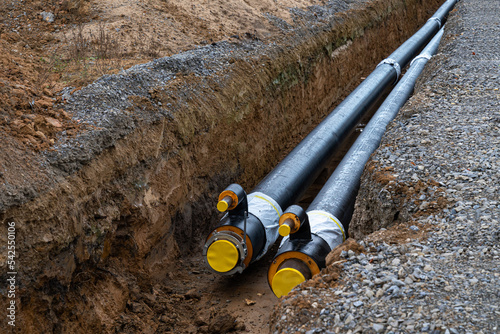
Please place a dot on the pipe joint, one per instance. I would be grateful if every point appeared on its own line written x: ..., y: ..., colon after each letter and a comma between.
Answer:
x: 437, y: 19
x: 268, y: 212
x: 426, y: 56
x: 327, y: 226
x: 394, y: 64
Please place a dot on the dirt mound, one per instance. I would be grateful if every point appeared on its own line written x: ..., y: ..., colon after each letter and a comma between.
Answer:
x: 48, y: 45
x: 28, y: 85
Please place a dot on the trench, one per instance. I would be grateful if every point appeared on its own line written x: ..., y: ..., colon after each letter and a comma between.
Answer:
x: 122, y: 235
x: 247, y: 296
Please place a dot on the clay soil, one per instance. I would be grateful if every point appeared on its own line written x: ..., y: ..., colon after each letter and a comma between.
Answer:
x: 191, y: 299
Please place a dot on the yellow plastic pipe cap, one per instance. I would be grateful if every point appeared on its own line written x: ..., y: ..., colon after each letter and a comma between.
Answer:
x: 222, y: 256
x: 284, y: 230
x: 285, y: 280
x: 222, y: 206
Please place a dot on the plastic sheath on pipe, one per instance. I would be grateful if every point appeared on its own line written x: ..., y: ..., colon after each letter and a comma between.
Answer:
x: 287, y: 182
x: 339, y: 192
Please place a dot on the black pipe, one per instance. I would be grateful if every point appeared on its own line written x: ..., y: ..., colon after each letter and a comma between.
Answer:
x: 286, y: 183
x: 337, y: 196
x: 341, y: 188
x: 293, y: 175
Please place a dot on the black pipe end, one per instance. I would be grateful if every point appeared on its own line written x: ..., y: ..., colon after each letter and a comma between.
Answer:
x: 296, y: 261
x: 316, y: 248
x: 254, y: 230
x: 295, y: 223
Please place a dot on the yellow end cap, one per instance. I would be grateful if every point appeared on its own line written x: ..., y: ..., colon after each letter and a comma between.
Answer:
x: 285, y: 280
x: 222, y: 256
x: 284, y: 230
x: 222, y: 206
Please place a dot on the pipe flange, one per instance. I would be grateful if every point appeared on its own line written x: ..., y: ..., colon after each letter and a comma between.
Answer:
x: 235, y: 239
x: 394, y: 64
x: 437, y: 19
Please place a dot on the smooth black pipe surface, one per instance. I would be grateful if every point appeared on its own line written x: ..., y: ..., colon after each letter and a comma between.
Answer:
x: 337, y: 196
x: 292, y: 176
x: 340, y: 190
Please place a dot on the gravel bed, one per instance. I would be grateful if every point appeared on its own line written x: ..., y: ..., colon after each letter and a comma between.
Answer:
x: 448, y: 133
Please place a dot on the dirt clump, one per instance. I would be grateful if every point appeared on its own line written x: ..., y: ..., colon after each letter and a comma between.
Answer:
x: 221, y: 322
x: 349, y: 244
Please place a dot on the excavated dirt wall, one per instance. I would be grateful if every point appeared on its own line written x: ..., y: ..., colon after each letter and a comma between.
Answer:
x: 136, y: 190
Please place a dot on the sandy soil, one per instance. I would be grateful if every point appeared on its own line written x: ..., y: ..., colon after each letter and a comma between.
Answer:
x: 90, y: 38
x: 176, y: 25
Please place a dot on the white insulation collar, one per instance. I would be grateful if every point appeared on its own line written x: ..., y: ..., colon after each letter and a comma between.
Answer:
x: 326, y: 226
x: 269, y: 212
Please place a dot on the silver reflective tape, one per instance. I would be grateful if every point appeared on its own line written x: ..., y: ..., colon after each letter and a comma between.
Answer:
x: 421, y: 56
x: 269, y: 212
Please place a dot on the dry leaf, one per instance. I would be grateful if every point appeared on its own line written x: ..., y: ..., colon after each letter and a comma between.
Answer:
x: 249, y: 302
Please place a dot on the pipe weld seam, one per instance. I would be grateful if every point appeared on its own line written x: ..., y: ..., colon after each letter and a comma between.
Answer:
x: 394, y: 64
x: 437, y: 19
